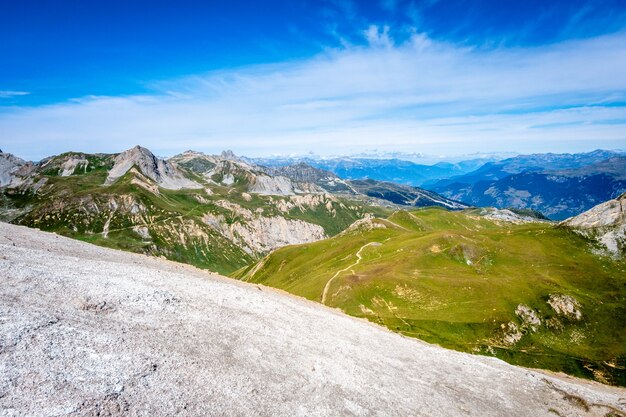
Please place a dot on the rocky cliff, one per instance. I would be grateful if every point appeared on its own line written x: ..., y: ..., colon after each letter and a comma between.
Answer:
x: 13, y: 170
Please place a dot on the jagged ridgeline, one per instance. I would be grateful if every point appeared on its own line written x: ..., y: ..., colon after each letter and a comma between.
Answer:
x: 486, y: 281
x: 218, y: 212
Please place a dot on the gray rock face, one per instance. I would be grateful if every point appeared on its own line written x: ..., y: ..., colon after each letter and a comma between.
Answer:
x: 565, y: 305
x: 71, y: 165
x: 165, y: 174
x: 302, y: 172
x: 13, y: 170
x: 91, y: 331
x: 259, y: 234
x: 268, y: 185
x: 610, y: 213
x: 507, y: 216
x: 227, y: 168
x: 605, y: 223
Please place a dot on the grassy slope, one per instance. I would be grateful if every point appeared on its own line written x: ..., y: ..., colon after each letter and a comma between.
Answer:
x: 454, y: 279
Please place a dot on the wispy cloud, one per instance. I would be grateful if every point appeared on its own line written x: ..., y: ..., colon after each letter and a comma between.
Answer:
x: 11, y: 94
x: 378, y: 37
x: 420, y: 95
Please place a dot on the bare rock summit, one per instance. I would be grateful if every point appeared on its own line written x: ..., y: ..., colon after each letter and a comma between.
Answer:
x: 166, y: 174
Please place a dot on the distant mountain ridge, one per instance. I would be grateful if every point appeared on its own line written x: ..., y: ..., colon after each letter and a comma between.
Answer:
x: 304, y: 178
x: 496, y: 170
x: 557, y: 185
x: 381, y: 169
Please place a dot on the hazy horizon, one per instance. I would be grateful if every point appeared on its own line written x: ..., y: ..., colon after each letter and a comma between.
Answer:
x: 416, y: 157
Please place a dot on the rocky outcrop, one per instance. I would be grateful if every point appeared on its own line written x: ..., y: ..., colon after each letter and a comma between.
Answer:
x: 368, y: 222
x: 265, y: 184
x: 302, y: 172
x: 565, y: 305
x: 265, y: 234
x: 308, y: 179
x: 306, y: 202
x: 506, y: 215
x: 258, y: 234
x: 13, y: 170
x: 529, y: 317
x: 164, y: 173
x: 89, y: 331
x: 228, y: 170
x: 605, y: 223
x: 70, y: 165
x: 66, y: 164
x: 529, y: 322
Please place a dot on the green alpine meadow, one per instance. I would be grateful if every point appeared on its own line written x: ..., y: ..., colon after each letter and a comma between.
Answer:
x: 534, y: 294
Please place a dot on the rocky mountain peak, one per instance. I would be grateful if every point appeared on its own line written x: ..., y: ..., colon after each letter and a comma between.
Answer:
x: 164, y: 173
x: 139, y: 150
x: 12, y: 169
x: 190, y: 153
x: 229, y: 155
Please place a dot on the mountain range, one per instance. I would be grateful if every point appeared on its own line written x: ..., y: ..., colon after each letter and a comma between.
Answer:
x: 557, y: 185
x: 215, y: 211
x: 400, y: 171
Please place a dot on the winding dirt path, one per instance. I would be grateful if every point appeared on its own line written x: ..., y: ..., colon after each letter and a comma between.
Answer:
x: 358, y: 260
x: 395, y: 224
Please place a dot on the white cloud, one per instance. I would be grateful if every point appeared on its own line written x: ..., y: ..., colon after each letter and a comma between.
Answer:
x: 10, y: 94
x: 422, y: 95
x: 378, y: 37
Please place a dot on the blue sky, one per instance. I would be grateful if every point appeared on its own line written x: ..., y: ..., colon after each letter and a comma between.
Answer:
x: 336, y: 76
